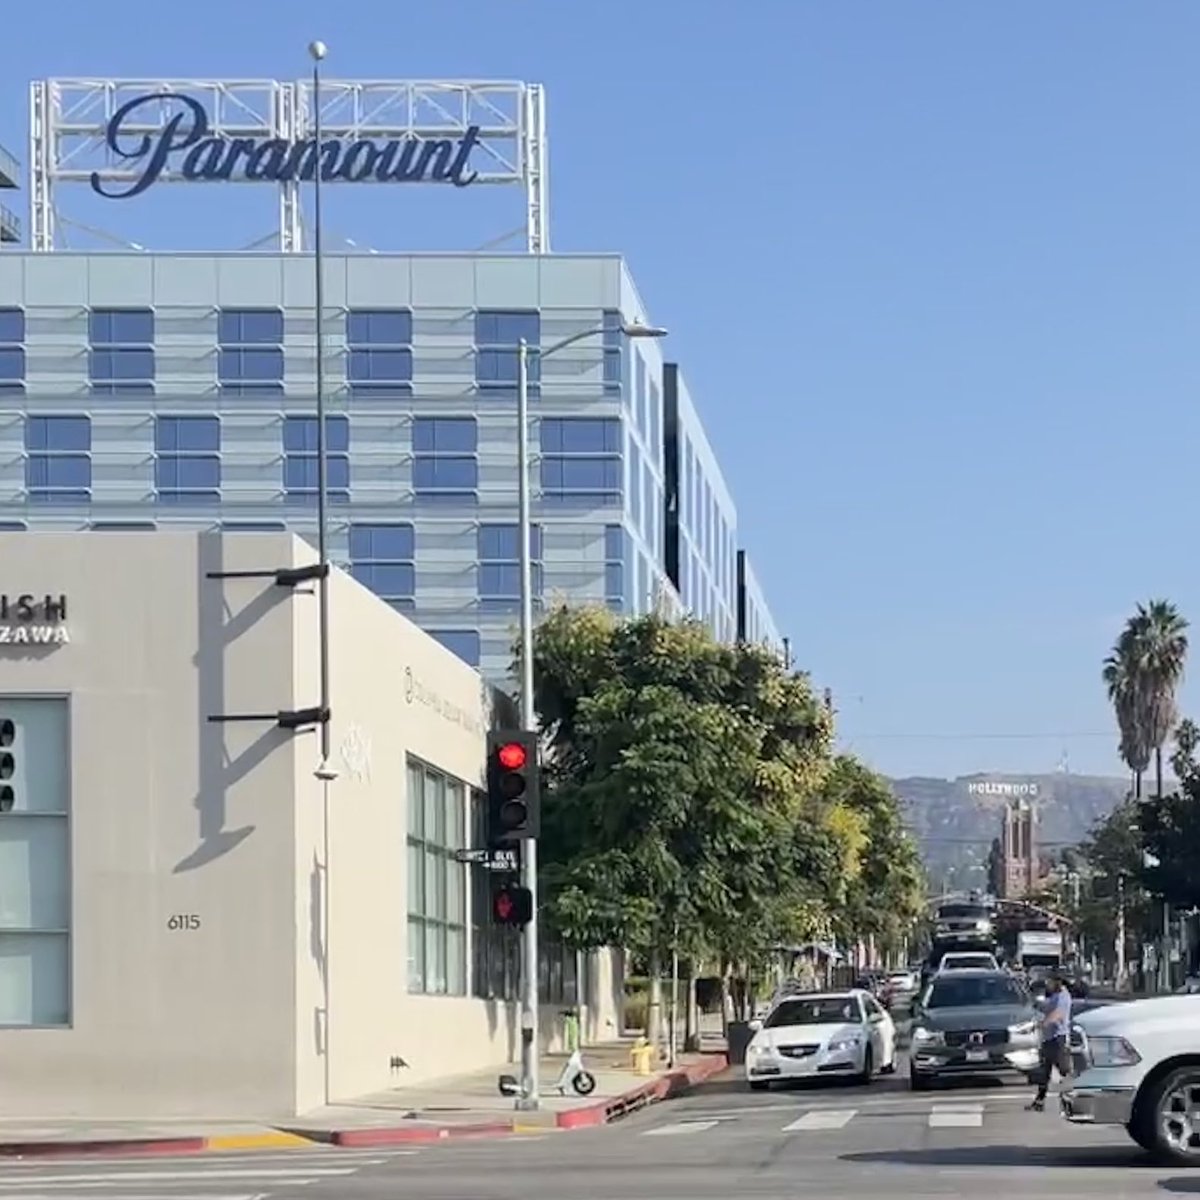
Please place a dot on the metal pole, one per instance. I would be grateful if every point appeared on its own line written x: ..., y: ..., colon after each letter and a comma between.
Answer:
x: 317, y: 50
x: 322, y: 459
x: 674, y: 1013
x: 528, y: 1099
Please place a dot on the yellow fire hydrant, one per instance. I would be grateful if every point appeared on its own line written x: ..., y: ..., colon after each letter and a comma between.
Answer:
x: 642, y: 1055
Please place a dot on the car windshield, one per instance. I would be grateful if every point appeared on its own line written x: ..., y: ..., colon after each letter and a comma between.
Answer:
x: 967, y: 991
x: 968, y: 962
x: 959, y: 911
x: 821, y: 1010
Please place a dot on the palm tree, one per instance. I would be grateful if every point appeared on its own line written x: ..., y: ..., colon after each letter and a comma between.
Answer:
x: 1143, y: 674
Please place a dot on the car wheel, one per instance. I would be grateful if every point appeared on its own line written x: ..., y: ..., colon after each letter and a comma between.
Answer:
x: 917, y: 1081
x: 868, y: 1068
x: 759, y: 1085
x: 1169, y: 1117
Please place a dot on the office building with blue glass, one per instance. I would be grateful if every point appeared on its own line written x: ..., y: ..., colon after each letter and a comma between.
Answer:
x: 177, y: 391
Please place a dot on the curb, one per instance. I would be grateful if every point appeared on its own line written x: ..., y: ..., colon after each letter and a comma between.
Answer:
x: 665, y: 1087
x: 106, y: 1149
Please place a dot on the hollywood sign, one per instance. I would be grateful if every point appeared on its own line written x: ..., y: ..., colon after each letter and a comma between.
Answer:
x: 988, y: 788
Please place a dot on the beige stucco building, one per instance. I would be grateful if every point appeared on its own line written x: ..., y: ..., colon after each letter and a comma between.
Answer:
x: 193, y: 924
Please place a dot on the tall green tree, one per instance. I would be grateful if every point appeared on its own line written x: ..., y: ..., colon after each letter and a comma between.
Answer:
x: 1143, y: 673
x: 677, y: 774
x: 884, y: 898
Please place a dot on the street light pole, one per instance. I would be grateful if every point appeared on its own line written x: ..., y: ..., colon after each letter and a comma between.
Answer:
x: 528, y: 1098
x: 318, y: 50
x: 324, y: 772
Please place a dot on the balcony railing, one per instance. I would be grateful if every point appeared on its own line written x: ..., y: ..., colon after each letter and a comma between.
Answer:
x: 10, y: 170
x: 10, y: 225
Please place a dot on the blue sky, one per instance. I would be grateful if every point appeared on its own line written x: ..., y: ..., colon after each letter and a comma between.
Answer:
x: 930, y: 269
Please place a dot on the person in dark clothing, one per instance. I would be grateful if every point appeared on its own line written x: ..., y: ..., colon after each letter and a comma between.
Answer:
x: 1056, y: 1029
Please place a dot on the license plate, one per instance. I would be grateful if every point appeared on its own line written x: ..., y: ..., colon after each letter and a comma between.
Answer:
x: 977, y: 1056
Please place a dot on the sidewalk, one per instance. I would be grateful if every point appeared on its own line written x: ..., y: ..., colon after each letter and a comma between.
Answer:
x: 465, y: 1106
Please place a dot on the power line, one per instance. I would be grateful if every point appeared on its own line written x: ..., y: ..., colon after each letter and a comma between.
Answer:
x: 969, y: 737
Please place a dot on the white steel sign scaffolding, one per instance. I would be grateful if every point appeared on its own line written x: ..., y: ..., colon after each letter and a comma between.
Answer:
x: 72, y: 129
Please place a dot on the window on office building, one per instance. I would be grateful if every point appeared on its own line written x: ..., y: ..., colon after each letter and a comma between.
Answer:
x: 581, y: 460
x: 499, y: 553
x: 444, y: 464
x: 437, y: 884
x: 250, y: 358
x: 614, y: 566
x: 497, y: 336
x: 187, y: 463
x: 12, y: 351
x: 495, y: 949
x: 382, y: 558
x: 121, y: 350
x: 379, y: 351
x: 614, y: 352
x: 35, y: 865
x: 58, y: 459
x: 300, y: 458
x: 656, y: 446
x: 462, y: 642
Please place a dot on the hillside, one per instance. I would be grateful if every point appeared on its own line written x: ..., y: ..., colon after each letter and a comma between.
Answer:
x: 955, y: 820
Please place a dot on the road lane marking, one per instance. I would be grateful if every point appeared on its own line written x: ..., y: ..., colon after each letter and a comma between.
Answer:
x: 97, y: 1178
x: 956, y: 1116
x: 822, y: 1118
x: 680, y: 1127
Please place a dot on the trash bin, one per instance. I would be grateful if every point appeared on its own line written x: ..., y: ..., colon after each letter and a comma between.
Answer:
x: 738, y: 1036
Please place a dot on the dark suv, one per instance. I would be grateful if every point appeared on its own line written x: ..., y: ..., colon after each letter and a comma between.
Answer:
x: 973, y: 1023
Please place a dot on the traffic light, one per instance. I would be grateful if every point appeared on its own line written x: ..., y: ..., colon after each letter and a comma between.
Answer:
x: 8, y: 764
x: 512, y: 905
x: 513, y: 786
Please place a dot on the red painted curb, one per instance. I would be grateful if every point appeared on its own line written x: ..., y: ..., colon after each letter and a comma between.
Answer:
x: 98, y: 1149
x: 400, y: 1134
x: 674, y: 1083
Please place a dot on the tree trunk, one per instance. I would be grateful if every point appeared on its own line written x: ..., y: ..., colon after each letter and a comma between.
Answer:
x: 1137, y: 785
x: 691, y: 1033
x: 1158, y: 774
x: 654, y: 1000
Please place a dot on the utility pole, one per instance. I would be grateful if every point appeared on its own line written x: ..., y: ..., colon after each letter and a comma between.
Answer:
x: 1121, y: 931
x: 529, y: 1098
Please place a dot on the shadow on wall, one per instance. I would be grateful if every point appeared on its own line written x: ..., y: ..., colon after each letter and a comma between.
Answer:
x: 219, y: 629
x: 316, y: 898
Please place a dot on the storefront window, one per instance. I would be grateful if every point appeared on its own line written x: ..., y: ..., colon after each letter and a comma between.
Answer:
x: 35, y: 889
x: 437, y: 942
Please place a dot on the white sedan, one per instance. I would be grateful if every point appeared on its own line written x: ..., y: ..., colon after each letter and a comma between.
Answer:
x: 822, y: 1034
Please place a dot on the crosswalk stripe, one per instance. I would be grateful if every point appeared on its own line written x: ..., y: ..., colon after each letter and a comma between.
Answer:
x: 680, y: 1127
x: 956, y: 1116
x: 822, y: 1118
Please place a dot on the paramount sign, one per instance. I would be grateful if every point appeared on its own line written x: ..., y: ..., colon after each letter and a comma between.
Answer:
x: 29, y: 620
x: 185, y: 147
x: 988, y: 788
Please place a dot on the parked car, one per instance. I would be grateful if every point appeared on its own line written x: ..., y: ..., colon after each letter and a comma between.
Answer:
x: 968, y: 960
x: 822, y: 1034
x: 1138, y: 1065
x: 972, y: 1022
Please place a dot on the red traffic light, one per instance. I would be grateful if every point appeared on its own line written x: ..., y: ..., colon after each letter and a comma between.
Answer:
x: 505, y: 906
x: 512, y: 906
x: 512, y: 756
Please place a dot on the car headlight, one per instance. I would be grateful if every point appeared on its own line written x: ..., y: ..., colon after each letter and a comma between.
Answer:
x: 1111, y: 1052
x: 840, y: 1045
x: 927, y: 1037
x: 754, y: 1050
x: 983, y: 926
x: 1024, y: 1029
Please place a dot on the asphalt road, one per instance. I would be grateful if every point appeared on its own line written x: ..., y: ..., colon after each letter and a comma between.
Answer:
x: 720, y: 1141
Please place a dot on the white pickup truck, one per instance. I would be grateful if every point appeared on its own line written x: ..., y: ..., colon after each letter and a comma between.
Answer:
x: 1138, y: 1065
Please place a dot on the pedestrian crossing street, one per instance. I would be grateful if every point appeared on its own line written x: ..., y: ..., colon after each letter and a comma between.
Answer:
x: 250, y: 1175
x: 947, y: 1114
